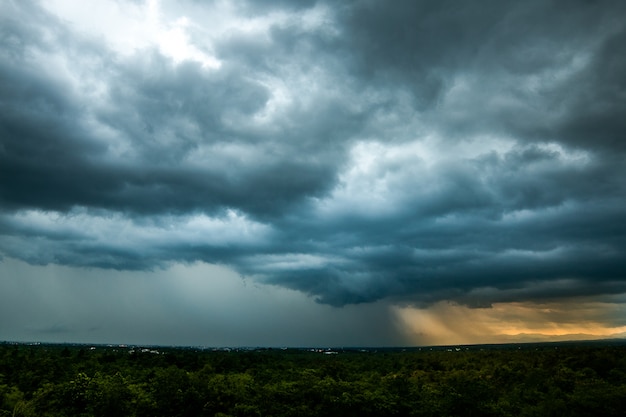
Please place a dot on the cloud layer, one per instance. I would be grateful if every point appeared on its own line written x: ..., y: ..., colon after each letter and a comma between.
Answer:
x: 415, y: 152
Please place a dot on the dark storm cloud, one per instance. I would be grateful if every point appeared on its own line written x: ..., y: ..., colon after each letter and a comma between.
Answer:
x: 56, y: 162
x: 417, y: 151
x: 518, y: 52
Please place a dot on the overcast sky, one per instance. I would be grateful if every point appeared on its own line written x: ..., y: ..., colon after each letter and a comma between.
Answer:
x: 312, y: 172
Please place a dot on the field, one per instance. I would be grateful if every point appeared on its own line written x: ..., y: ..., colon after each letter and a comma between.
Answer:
x: 508, y: 380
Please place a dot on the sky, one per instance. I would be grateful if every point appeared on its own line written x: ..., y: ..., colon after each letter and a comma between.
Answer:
x: 312, y: 173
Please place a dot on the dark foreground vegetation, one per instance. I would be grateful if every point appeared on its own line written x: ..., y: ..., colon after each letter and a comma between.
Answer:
x: 529, y: 380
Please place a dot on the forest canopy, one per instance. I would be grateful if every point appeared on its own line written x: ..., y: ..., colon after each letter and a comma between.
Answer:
x: 520, y: 380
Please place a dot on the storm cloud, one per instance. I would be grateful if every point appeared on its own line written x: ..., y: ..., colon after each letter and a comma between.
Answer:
x: 413, y: 152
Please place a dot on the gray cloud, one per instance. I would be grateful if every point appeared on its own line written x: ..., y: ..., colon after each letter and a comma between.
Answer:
x: 420, y: 151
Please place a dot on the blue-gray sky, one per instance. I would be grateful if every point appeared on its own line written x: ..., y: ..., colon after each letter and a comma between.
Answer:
x: 312, y: 172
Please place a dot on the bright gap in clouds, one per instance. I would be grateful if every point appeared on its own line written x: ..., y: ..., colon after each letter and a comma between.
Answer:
x: 181, y: 31
x: 129, y: 26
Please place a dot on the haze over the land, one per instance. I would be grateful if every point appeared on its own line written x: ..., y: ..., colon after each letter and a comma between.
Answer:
x: 312, y: 172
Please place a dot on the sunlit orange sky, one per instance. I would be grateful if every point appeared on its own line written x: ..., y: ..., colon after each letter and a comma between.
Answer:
x: 580, y: 319
x: 312, y: 173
